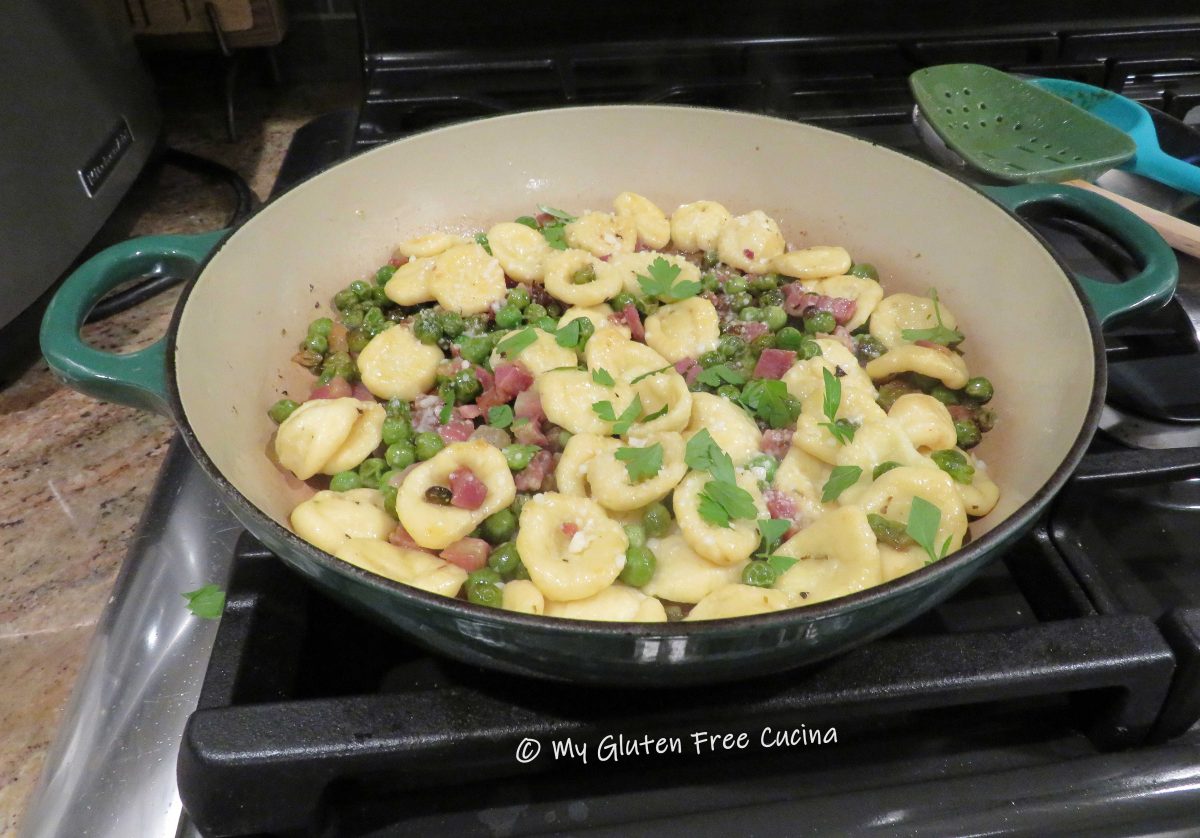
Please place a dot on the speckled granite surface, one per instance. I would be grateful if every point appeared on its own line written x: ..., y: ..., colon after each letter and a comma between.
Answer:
x: 75, y: 473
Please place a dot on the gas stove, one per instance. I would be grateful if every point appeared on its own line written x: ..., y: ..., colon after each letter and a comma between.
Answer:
x: 1058, y: 692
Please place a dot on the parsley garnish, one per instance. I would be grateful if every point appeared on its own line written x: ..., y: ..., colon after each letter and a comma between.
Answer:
x: 770, y: 400
x: 481, y: 239
x: 207, y: 602
x: 500, y: 416
x: 652, y: 372
x: 703, y: 454
x: 601, y: 376
x: 772, y: 530
x: 512, y: 345
x: 720, y: 374
x: 938, y: 334
x: 658, y: 283
x: 641, y: 463
x: 568, y: 335
x: 722, y: 502
x: 555, y: 235
x: 561, y: 215
x: 842, y: 429
x: 620, y: 423
x: 840, y: 479
x: 529, y: 221
x: 662, y: 411
x: 923, y: 521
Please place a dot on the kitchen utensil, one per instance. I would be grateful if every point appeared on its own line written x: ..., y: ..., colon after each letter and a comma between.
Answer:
x: 1013, y: 131
x: 227, y: 353
x: 1132, y: 118
x: 1180, y: 234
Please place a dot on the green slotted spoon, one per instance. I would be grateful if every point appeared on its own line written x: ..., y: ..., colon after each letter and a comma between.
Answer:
x: 1013, y: 131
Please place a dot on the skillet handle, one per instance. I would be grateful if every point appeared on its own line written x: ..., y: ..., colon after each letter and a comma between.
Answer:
x: 1154, y: 284
x: 138, y: 379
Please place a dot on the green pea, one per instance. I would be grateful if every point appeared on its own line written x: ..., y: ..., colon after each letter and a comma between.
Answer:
x: 427, y: 444
x: 739, y: 301
x: 710, y: 359
x: 944, y: 394
x: 623, y: 299
x: 775, y: 318
x: 357, y: 340
x: 400, y: 455
x: 584, y: 275
x: 396, y: 429
x: 345, y: 299
x: 729, y: 391
x: 656, y: 520
x: 379, y: 297
x: 979, y: 389
x: 484, y: 594
x: 955, y: 464
x: 809, y: 348
x: 968, y: 433
x: 639, y: 566
x: 281, y: 410
x: 374, y: 321
x: 864, y: 270
x: 759, y: 574
x: 731, y: 346
x: 321, y: 326
x: 504, y: 558
x: 519, y: 503
x: 762, y: 342
x: 750, y: 313
x: 985, y: 418
x: 535, y: 312
x: 451, y: 323
x: 389, y: 493
x: 475, y: 349
x: 344, y: 481
x: 483, y: 576
x: 819, y: 322
x: 892, y: 533
x: 553, y: 309
x: 868, y: 347
x: 892, y: 390
x: 636, y: 535
x: 466, y: 386
x: 384, y: 274
x: 710, y: 259
x: 476, y: 324
x: 883, y: 468
x: 445, y: 391
x: 352, y: 318
x: 789, y: 337
x: 426, y: 329
x: 520, y: 572
x: 764, y: 282
x: 370, y: 470
x: 519, y: 456
x: 519, y: 298
x: 709, y: 283
x: 771, y: 298
x: 442, y: 496
x: 316, y: 343
x: 767, y: 463
x: 735, y: 285
x: 397, y: 409
x: 508, y: 317
x: 924, y: 383
x: 361, y: 289
x: 500, y: 526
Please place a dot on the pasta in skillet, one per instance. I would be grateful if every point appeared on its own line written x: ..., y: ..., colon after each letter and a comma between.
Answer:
x: 636, y: 416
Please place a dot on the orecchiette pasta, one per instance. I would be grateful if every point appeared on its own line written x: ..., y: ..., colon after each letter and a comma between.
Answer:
x: 395, y: 365
x: 330, y: 520
x: 326, y: 436
x: 436, y: 525
x: 412, y: 567
x: 686, y: 329
x: 635, y: 416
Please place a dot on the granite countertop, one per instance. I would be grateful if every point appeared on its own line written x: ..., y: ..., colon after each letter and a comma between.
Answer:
x: 75, y: 473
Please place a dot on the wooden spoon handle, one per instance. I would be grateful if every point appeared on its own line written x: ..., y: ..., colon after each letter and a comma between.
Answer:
x: 1181, y: 235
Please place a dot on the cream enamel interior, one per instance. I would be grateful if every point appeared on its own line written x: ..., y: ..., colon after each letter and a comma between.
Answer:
x: 1025, y: 327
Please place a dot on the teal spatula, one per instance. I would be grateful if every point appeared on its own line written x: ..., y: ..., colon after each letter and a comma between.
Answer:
x: 1131, y: 118
x: 1013, y: 131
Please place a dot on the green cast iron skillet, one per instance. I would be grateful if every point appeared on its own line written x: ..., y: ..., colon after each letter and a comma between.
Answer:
x: 1031, y: 327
